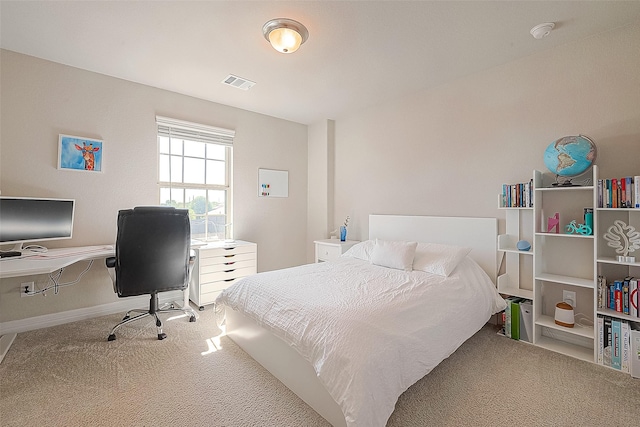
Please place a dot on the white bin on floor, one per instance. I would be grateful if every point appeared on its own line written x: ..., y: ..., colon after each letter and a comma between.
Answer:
x: 526, y: 321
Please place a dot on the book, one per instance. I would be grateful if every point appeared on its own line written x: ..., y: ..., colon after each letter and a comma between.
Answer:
x: 636, y: 191
x: 606, y: 354
x: 515, y: 319
x: 625, y: 296
x: 511, y: 317
x: 617, y: 296
x: 602, y: 292
x: 624, y: 344
x: 612, y: 296
x: 600, y: 340
x: 616, y: 344
x: 633, y: 298
x: 634, y: 360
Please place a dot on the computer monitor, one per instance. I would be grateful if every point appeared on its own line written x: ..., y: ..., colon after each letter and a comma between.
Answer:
x: 25, y: 219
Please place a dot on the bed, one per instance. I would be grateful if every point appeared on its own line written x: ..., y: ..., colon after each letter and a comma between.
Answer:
x: 350, y: 336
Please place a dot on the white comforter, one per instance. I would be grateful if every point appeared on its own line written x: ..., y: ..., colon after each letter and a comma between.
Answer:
x: 370, y: 332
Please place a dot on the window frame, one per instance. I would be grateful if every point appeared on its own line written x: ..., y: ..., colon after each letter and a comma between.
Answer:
x: 181, y: 130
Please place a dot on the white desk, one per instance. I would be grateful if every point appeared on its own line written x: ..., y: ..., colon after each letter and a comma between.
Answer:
x: 48, y: 262
x: 33, y: 264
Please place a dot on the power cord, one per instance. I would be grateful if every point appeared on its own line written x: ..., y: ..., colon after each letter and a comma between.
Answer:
x: 55, y: 278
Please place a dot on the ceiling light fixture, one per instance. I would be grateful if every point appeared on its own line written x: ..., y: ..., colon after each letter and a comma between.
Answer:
x: 542, y: 30
x: 285, y: 35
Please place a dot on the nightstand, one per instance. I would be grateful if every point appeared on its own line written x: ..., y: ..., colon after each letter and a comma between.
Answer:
x: 330, y: 249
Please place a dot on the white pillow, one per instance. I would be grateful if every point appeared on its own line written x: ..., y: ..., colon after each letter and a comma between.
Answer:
x: 398, y: 255
x: 361, y: 250
x: 438, y: 259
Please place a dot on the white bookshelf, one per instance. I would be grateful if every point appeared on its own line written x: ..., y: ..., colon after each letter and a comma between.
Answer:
x: 517, y: 277
x: 561, y: 261
x: 564, y: 262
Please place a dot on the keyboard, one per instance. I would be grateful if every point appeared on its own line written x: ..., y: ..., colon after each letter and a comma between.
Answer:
x: 7, y: 254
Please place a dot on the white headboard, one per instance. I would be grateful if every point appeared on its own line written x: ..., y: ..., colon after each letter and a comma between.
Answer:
x: 479, y: 234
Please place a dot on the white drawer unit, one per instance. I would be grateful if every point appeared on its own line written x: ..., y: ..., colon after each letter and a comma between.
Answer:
x: 218, y: 266
x: 330, y: 249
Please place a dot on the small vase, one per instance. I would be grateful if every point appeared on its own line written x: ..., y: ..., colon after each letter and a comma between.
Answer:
x: 343, y: 233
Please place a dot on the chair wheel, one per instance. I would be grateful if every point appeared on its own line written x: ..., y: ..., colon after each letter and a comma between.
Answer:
x: 112, y: 337
x: 162, y: 336
x: 201, y: 308
x: 192, y: 319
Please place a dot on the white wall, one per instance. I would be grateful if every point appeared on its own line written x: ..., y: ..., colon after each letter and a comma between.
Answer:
x: 41, y: 99
x: 320, y: 187
x: 447, y: 151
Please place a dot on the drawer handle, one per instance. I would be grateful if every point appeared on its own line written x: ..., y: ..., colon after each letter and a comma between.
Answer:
x: 229, y: 249
x: 230, y: 256
x: 229, y: 263
x: 230, y: 271
x: 229, y: 280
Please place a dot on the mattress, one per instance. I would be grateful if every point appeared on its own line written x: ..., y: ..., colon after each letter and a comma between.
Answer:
x: 369, y: 332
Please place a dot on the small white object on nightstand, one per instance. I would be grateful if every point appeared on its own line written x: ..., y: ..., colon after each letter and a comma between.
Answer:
x: 330, y: 249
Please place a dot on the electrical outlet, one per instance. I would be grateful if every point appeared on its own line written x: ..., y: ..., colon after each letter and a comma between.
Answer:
x: 570, y: 298
x: 27, y: 289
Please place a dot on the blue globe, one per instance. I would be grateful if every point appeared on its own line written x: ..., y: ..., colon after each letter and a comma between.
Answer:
x: 570, y: 156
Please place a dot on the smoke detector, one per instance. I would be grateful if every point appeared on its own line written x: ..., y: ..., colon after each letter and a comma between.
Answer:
x: 542, y: 30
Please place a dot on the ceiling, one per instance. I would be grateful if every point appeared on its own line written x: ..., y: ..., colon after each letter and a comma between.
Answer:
x: 359, y: 53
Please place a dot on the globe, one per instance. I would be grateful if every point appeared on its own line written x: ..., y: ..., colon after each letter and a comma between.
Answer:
x: 570, y: 156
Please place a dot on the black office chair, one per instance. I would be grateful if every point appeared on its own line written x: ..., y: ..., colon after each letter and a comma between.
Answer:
x: 153, y: 254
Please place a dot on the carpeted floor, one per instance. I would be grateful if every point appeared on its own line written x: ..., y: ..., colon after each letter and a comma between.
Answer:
x: 69, y: 375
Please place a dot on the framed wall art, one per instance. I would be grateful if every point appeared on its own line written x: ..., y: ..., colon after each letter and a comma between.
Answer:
x: 80, y: 154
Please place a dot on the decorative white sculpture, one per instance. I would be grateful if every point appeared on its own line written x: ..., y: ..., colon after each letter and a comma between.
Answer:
x: 624, y: 238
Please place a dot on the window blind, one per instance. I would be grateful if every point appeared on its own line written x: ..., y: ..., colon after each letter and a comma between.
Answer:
x: 194, y: 131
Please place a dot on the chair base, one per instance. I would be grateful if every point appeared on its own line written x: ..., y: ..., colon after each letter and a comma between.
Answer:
x: 153, y: 311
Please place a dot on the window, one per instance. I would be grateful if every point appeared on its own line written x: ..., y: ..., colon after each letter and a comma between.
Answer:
x: 194, y: 172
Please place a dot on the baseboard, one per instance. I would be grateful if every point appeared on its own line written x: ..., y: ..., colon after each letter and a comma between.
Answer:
x: 5, y: 343
x: 54, y: 319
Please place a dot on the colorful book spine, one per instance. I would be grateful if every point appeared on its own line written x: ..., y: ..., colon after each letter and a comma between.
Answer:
x: 633, y: 298
x: 515, y: 319
x: 636, y: 191
x: 618, y: 296
x: 517, y: 195
x: 507, y: 318
x: 625, y: 296
x: 616, y: 344
x: 611, y: 304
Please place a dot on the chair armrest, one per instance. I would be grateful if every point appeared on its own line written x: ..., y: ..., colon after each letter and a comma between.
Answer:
x: 192, y: 262
x: 110, y: 262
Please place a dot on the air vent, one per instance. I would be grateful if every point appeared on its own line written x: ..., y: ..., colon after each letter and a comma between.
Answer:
x: 238, y: 82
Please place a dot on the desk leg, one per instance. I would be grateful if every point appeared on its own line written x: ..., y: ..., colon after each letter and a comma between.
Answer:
x: 5, y: 343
